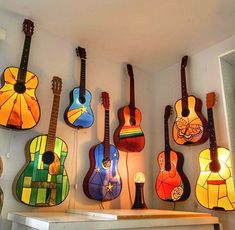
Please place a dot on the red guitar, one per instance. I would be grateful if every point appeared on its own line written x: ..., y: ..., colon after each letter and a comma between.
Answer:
x: 190, y: 126
x: 129, y: 136
x: 171, y: 184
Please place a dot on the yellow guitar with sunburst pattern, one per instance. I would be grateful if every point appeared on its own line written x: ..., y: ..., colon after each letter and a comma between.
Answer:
x: 215, y: 188
x: 19, y: 108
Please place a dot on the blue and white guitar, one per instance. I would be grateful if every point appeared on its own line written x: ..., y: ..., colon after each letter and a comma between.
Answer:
x: 79, y: 113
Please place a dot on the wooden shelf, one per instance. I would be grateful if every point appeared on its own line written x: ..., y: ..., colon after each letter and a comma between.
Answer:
x: 113, y: 219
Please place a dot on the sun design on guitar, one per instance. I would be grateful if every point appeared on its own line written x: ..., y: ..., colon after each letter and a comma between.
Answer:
x: 188, y: 129
x: 18, y: 109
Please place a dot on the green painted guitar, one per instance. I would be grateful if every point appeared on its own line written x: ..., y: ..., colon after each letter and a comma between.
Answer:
x: 44, y: 181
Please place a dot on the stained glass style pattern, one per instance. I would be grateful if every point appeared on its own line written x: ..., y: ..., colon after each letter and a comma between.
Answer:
x: 216, y: 190
x: 41, y: 184
x: 169, y: 184
x: 79, y: 114
x: 101, y: 183
x: 18, y: 110
x: 129, y: 136
x: 187, y: 129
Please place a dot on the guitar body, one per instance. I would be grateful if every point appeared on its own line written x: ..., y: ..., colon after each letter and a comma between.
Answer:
x: 40, y: 184
x: 101, y: 183
x: 190, y: 129
x: 172, y: 185
x: 128, y: 137
x: 216, y: 190
x: 79, y: 115
x: 19, y: 108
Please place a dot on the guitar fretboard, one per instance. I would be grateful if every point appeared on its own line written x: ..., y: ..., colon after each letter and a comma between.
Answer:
x: 106, y: 135
x: 213, y: 144
x: 24, y: 60
x: 167, y: 145
x: 83, y: 78
x: 53, y: 124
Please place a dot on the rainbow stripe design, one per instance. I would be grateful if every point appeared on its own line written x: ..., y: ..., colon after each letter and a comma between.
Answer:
x: 130, y: 131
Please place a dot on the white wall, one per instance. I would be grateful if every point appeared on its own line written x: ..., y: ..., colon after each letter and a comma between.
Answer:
x: 228, y: 82
x: 51, y: 55
x: 203, y: 76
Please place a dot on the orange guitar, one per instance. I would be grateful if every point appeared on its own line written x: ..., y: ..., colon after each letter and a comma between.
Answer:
x: 190, y: 126
x: 19, y: 108
x: 215, y: 188
x: 171, y: 184
x: 129, y: 136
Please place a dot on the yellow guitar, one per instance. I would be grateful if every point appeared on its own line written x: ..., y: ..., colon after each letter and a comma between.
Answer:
x: 19, y: 107
x: 190, y: 126
x: 215, y: 188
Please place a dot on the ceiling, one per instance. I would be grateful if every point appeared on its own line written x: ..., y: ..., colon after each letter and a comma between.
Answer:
x: 151, y: 34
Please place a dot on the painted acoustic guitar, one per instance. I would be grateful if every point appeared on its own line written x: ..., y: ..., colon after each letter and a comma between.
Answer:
x: 215, y: 187
x: 171, y: 183
x: 19, y: 108
x: 190, y: 126
x: 129, y: 136
x: 44, y: 181
x: 79, y: 113
x: 102, y: 181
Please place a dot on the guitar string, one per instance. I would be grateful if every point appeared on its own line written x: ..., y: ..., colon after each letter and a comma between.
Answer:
x: 128, y: 178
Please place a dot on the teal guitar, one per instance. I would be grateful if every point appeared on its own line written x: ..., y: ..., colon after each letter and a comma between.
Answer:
x: 79, y: 113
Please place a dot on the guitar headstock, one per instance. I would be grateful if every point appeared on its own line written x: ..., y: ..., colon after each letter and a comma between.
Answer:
x: 28, y: 27
x: 168, y: 112
x: 210, y: 100
x: 56, y: 85
x: 105, y: 100
x: 130, y: 71
x: 81, y: 52
x: 184, y: 62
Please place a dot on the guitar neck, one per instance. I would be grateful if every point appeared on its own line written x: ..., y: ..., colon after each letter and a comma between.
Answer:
x: 106, y: 135
x: 53, y: 124
x: 184, y: 89
x: 24, y: 60
x: 83, y: 78
x: 167, y: 145
x: 212, y: 137
x: 132, y: 92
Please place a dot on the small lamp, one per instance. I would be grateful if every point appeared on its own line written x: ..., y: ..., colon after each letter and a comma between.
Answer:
x: 139, y: 202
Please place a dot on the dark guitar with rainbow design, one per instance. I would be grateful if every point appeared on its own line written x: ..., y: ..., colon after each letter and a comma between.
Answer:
x: 19, y: 107
x: 102, y: 181
x: 215, y: 187
x: 129, y: 136
x: 171, y: 183
x: 44, y: 180
x: 190, y: 126
x: 79, y: 113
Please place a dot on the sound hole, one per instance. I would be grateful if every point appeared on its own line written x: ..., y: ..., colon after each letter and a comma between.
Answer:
x: 19, y: 87
x: 214, y: 166
x: 48, y: 158
x: 185, y: 112
x: 132, y: 121
x: 106, y: 163
x: 82, y: 100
